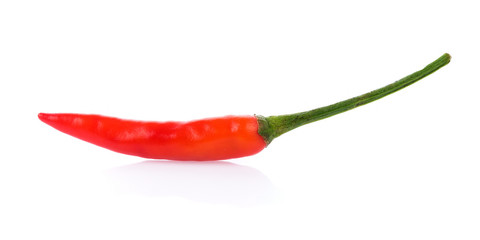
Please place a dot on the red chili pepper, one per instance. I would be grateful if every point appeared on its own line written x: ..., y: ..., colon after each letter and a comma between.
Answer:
x: 208, y: 139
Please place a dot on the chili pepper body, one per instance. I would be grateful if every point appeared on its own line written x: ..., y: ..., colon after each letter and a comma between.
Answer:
x: 200, y: 140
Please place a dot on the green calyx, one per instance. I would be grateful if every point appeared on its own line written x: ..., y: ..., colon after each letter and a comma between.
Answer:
x: 273, y: 126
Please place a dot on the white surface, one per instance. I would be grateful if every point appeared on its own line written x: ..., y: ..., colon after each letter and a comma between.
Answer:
x: 404, y: 167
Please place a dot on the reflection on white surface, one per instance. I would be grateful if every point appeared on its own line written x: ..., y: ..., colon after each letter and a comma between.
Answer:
x: 211, y: 182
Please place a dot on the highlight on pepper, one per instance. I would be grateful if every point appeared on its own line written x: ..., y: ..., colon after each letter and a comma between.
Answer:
x: 213, y: 138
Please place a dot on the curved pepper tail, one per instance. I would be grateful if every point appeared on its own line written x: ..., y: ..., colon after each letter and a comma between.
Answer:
x: 274, y: 126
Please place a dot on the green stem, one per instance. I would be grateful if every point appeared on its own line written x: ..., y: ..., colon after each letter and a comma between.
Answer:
x: 274, y: 126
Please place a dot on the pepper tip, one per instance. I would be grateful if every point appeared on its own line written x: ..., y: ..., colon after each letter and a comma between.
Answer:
x: 43, y: 116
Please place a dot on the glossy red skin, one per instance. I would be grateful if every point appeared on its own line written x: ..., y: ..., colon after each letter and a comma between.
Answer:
x: 200, y: 140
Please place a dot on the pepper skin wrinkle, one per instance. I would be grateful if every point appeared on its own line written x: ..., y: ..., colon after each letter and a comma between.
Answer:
x: 214, y: 138
x: 200, y: 140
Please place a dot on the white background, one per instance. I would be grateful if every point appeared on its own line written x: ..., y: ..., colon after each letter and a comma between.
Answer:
x: 404, y: 167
